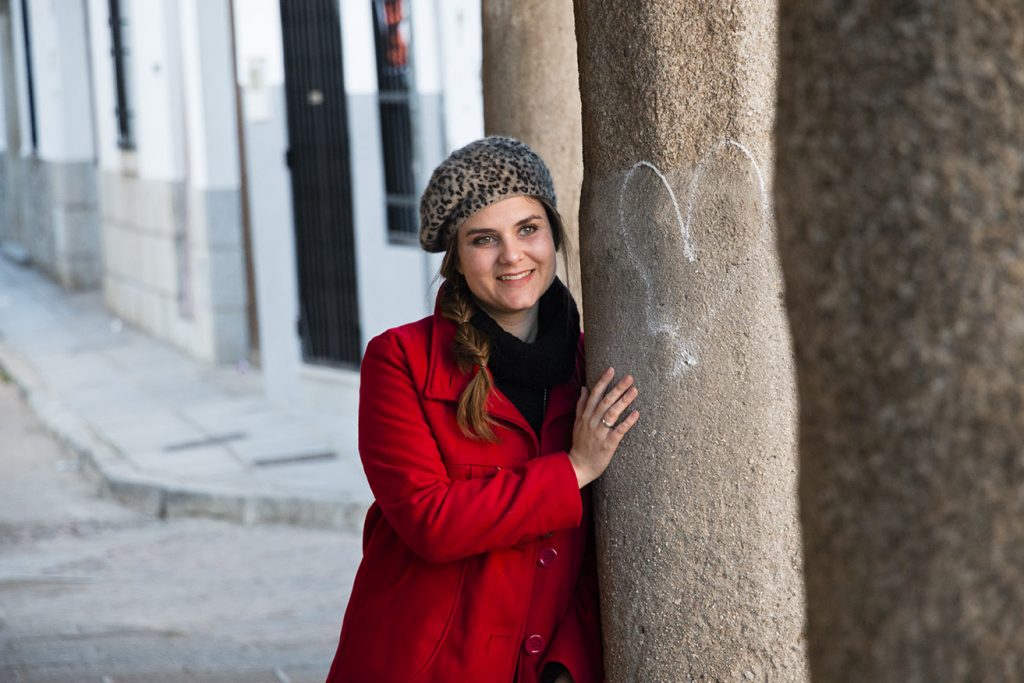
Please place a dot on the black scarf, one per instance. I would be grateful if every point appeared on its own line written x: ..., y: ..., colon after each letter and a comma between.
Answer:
x: 523, y: 372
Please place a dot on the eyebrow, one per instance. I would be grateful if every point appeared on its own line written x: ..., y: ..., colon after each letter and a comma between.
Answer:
x: 528, y: 219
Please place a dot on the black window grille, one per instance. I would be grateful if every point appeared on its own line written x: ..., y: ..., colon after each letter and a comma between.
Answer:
x: 394, y: 78
x: 119, y: 50
x: 34, y: 132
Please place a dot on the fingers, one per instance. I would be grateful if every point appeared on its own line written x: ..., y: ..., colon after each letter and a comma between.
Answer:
x: 611, y: 406
x: 615, y: 411
x: 627, y: 424
x: 581, y: 402
x: 598, y: 392
x: 598, y: 429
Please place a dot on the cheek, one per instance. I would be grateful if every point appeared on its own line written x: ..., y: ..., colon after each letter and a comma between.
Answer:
x: 547, y: 253
x: 463, y: 257
x: 473, y: 262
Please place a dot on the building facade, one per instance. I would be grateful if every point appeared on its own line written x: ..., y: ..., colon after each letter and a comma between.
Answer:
x: 240, y: 177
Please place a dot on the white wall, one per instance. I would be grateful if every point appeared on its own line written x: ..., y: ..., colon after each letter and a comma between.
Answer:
x: 61, y: 69
x: 359, y: 57
x: 209, y: 90
x: 156, y: 61
x: 260, y: 62
x: 461, y: 48
x: 259, y: 53
x: 426, y: 51
x: 104, y: 97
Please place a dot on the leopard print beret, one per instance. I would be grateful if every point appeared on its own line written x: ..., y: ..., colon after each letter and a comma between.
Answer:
x: 474, y: 177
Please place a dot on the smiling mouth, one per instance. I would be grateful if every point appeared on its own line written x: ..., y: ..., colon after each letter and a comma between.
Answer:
x: 514, y: 276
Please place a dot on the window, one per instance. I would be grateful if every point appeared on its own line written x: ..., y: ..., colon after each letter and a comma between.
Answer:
x: 119, y: 49
x: 394, y: 77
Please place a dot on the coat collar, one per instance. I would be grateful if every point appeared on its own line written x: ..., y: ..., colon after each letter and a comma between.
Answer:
x: 445, y: 382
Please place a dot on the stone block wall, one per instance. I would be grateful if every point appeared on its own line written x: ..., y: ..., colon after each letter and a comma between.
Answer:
x: 52, y: 213
x: 74, y: 209
x: 175, y: 263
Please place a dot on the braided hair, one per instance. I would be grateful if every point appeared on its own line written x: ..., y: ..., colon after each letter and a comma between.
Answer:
x: 472, y: 348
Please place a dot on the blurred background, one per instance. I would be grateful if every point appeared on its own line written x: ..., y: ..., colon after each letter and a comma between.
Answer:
x: 207, y: 209
x: 239, y: 178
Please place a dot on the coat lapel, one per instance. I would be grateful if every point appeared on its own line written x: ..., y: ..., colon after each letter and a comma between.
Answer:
x: 445, y: 382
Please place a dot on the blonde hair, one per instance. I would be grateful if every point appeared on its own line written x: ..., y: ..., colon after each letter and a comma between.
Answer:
x: 472, y: 348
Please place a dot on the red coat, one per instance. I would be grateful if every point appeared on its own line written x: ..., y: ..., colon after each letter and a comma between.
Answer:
x: 477, y: 557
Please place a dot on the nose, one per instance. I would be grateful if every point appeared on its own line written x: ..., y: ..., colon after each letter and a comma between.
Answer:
x: 510, y: 252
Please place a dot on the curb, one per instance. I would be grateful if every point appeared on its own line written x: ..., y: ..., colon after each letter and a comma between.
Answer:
x: 102, y: 464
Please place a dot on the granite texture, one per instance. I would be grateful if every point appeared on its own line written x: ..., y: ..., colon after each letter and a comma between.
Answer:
x: 899, y: 136
x: 531, y: 92
x: 51, y: 211
x: 698, y: 537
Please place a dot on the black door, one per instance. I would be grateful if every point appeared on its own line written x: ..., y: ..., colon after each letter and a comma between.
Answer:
x: 321, y: 182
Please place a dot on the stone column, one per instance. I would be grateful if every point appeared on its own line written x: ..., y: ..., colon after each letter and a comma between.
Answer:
x: 697, y: 523
x: 900, y: 132
x: 531, y: 92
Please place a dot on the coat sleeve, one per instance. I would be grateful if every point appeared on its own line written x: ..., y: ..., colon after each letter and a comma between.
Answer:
x: 440, y: 519
x: 576, y: 644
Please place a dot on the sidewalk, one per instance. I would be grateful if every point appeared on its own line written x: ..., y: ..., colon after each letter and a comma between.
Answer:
x: 165, y: 433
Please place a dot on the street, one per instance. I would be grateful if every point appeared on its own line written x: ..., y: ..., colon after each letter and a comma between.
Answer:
x: 91, y: 591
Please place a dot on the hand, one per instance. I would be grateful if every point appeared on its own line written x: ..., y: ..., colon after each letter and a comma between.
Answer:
x: 593, y: 441
x: 564, y: 677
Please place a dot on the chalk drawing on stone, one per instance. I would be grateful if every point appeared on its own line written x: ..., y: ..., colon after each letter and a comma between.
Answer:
x: 684, y: 219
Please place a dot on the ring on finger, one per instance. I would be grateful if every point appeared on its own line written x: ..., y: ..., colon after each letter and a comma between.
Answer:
x: 609, y: 426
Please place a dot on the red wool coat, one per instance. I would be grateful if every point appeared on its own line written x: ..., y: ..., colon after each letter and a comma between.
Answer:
x: 478, y: 558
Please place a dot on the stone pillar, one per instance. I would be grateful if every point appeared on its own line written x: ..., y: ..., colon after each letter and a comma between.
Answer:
x: 899, y: 138
x: 697, y: 524
x: 531, y: 92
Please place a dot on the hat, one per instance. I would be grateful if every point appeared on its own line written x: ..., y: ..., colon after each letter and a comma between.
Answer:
x: 474, y: 177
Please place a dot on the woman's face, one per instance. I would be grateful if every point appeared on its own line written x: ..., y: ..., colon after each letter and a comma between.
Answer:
x: 506, y: 252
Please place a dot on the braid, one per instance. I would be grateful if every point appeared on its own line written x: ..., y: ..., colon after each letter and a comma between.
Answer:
x: 472, y: 348
x: 472, y: 351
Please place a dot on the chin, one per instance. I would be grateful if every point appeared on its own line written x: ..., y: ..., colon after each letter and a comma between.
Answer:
x: 513, y: 308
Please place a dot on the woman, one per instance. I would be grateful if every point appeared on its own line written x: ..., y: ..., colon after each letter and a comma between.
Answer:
x: 477, y: 441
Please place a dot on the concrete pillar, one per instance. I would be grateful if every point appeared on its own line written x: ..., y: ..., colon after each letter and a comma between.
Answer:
x: 531, y: 92
x: 697, y: 524
x: 899, y: 137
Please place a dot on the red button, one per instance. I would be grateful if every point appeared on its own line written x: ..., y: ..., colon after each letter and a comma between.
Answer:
x: 534, y: 645
x: 547, y: 557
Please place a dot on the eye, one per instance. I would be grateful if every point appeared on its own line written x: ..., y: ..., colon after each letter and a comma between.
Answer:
x: 483, y: 240
x: 528, y: 229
